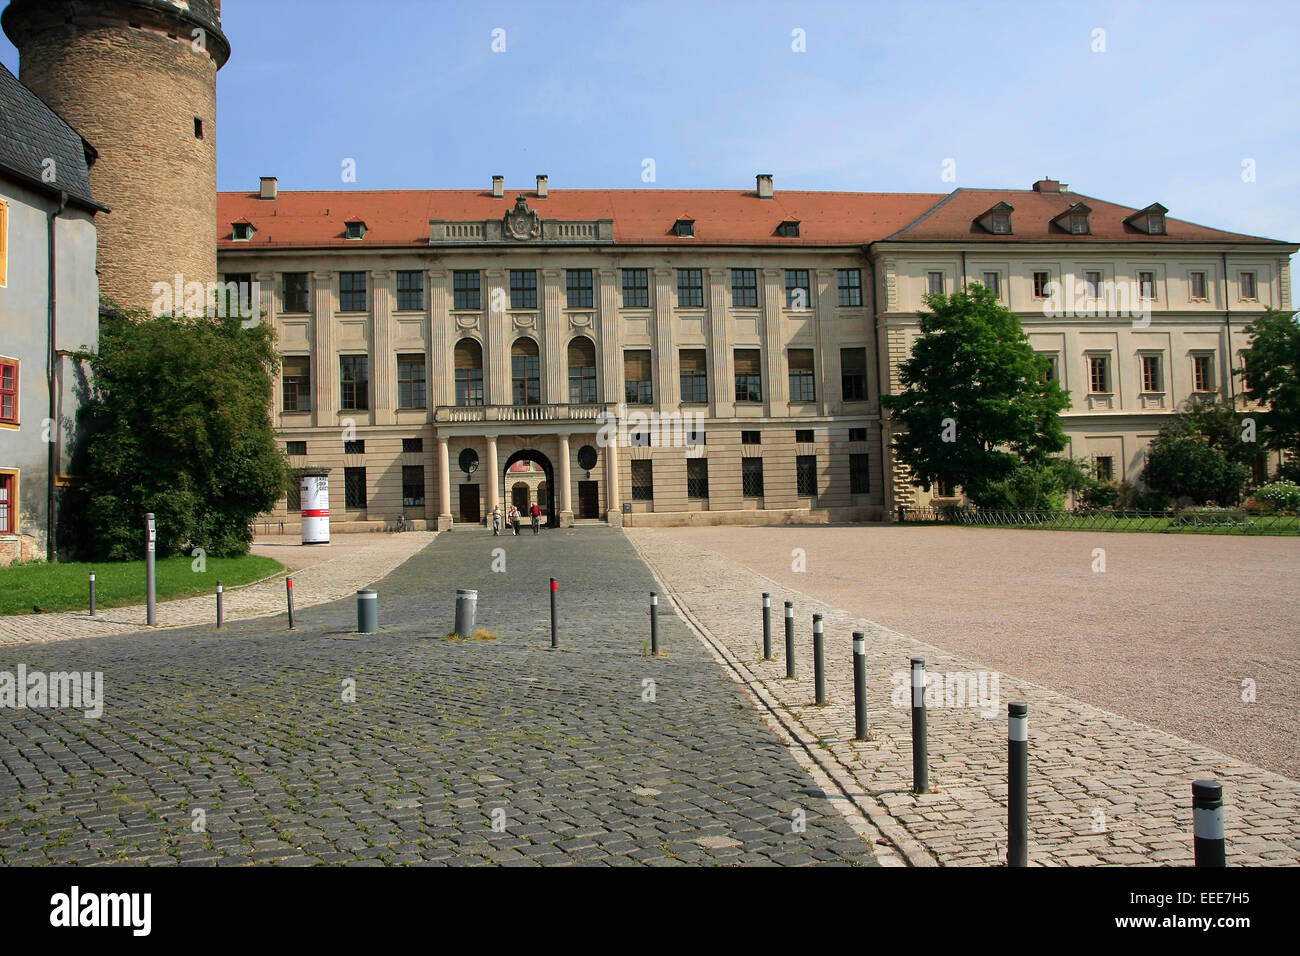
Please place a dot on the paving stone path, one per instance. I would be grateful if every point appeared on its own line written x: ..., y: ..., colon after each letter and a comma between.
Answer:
x: 246, y: 745
x: 1104, y: 789
x: 317, y: 584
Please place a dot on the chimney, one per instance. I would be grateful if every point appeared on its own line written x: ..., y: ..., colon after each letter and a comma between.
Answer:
x: 764, y: 181
x: 270, y: 187
x: 498, y: 187
x: 541, y: 185
x: 1049, y: 186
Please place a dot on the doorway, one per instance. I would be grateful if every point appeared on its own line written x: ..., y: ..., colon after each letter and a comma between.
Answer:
x: 469, y: 505
x: 538, y: 481
x: 588, y: 499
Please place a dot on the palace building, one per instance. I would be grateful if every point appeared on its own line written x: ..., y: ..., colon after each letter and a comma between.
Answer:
x: 736, y: 342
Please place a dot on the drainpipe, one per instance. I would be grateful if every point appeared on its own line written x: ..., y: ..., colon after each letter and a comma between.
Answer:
x: 51, y: 543
x: 1227, y: 320
x: 963, y: 271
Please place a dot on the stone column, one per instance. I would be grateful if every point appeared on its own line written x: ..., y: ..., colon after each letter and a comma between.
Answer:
x: 493, y: 493
x: 444, y: 485
x: 722, y: 383
x: 551, y: 336
x: 324, y: 360
x: 826, y: 351
x: 667, y: 387
x: 614, y: 514
x: 496, y: 340
x: 776, y: 389
x: 562, y: 477
x: 609, y: 354
x: 383, y: 360
x: 439, y: 363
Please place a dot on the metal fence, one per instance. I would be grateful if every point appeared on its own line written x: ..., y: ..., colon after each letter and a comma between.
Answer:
x: 1225, y: 521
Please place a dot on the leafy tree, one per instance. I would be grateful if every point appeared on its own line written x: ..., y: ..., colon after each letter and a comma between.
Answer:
x: 1273, y: 377
x: 1184, y: 462
x: 1215, y: 420
x: 179, y: 424
x: 976, y: 402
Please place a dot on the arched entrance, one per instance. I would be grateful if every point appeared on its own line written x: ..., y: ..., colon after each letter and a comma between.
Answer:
x: 546, y: 490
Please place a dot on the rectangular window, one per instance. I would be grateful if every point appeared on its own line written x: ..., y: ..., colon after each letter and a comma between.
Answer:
x: 1079, y: 224
x: 697, y: 478
x: 352, y: 292
x: 744, y: 288
x: 469, y: 378
x: 1198, y: 285
x: 295, y: 448
x: 410, y: 291
x: 234, y: 295
x: 934, y: 283
x: 694, y: 377
x: 294, y: 292
x: 293, y: 496
x: 749, y: 376
x: 751, y: 438
x: 1001, y: 223
x: 354, y: 447
x: 802, y: 386
x: 992, y: 283
x: 7, y: 504
x: 751, y: 477
x: 805, y: 471
x: 636, y: 288
x: 1041, y: 279
x: 1152, y: 374
x: 1203, y: 373
x: 859, y: 473
x: 1248, y: 285
x: 1099, y: 374
x: 582, y: 384
x: 853, y: 375
x: 412, y: 486
x: 354, y: 379
x: 295, y: 376
x: 690, y: 289
x: 412, y: 446
x: 9, y: 392
x: 1146, y: 285
x: 803, y: 436
x: 798, y: 293
x: 526, y: 379
x: 523, y: 288
x: 638, y: 389
x: 1092, y: 284
x: 857, y: 434
x: 354, y: 487
x: 410, y: 381
x: 465, y: 290
x: 1103, y: 467
x: 1052, y: 373
x: 850, y: 282
x: 579, y: 288
x: 643, y: 482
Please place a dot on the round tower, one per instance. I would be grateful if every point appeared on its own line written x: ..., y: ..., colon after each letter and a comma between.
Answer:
x: 138, y: 80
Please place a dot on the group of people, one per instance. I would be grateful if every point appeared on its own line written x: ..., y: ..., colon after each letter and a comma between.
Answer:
x: 512, y: 518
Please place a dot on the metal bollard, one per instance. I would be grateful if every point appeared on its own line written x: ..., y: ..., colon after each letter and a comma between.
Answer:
x: 920, y: 758
x: 367, y: 611
x: 150, y: 575
x: 859, y: 686
x: 767, y: 626
x: 555, y: 633
x: 1018, y: 784
x: 466, y: 612
x: 220, y: 609
x: 654, y: 624
x: 288, y: 591
x: 819, y: 659
x: 789, y: 639
x: 1207, y: 824
x: 92, y: 593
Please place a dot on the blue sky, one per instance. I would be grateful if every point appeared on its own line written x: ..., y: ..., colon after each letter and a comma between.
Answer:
x: 1182, y: 95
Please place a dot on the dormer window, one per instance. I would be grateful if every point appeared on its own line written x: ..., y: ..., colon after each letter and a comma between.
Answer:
x: 997, y: 220
x: 355, y: 230
x: 1155, y: 224
x: 1150, y: 220
x: 684, y: 228
x: 1001, y: 224
x: 1075, y: 220
x: 1079, y: 224
x: 788, y: 229
x: 242, y: 231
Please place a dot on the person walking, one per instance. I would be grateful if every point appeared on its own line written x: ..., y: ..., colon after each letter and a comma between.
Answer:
x: 536, y: 512
x: 513, y: 518
x: 496, y: 520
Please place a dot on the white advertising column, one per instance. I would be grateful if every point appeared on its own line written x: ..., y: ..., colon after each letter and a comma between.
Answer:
x: 315, y: 501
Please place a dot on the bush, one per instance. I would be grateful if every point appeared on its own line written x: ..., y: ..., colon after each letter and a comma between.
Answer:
x: 1027, y: 488
x: 1182, y: 463
x: 1101, y: 494
x: 1209, y: 517
x: 1280, y: 495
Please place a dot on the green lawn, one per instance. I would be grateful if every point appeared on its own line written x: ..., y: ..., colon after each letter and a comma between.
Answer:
x: 1252, y: 525
x: 66, y: 587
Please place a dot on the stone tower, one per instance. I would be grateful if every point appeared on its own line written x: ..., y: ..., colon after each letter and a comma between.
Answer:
x: 138, y: 79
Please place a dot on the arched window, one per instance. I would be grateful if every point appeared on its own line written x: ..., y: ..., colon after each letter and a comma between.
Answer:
x: 525, y: 372
x: 469, y: 372
x: 582, y: 371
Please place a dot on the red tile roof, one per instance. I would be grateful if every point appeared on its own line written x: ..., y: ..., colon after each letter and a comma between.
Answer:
x: 401, y: 217
x: 954, y: 220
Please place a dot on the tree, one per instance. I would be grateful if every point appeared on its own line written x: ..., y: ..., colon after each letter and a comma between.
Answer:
x: 1184, y: 462
x: 1221, y: 425
x: 976, y: 402
x: 1273, y: 377
x: 179, y: 424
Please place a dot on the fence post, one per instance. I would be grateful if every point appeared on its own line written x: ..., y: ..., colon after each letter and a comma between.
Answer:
x: 859, y: 686
x: 819, y: 659
x: 1018, y: 784
x: 1207, y: 824
x: 789, y: 639
x: 920, y: 756
x: 767, y: 626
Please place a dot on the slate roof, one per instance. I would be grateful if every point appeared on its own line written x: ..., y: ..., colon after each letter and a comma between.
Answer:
x: 31, y: 132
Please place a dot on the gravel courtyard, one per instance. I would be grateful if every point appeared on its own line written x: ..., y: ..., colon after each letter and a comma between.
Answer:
x: 1166, y: 635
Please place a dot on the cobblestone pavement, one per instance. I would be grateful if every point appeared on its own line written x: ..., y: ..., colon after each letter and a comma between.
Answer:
x: 1104, y: 789
x: 574, y: 753
x: 317, y: 583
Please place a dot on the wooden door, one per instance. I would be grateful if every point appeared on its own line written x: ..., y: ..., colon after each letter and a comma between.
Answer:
x: 588, y: 499
x: 469, y: 511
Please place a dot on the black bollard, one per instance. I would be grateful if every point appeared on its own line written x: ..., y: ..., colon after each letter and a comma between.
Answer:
x: 288, y: 591
x: 367, y: 611
x: 767, y: 626
x: 920, y: 757
x: 1207, y: 824
x: 555, y: 633
x: 92, y: 593
x: 654, y: 624
x: 221, y: 611
x: 1018, y: 784
x: 819, y: 659
x: 859, y: 686
x: 789, y: 639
